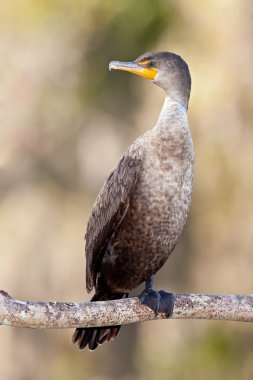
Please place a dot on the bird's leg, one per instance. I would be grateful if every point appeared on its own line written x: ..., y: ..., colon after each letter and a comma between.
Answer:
x: 159, y: 302
x: 149, y: 283
x: 150, y: 297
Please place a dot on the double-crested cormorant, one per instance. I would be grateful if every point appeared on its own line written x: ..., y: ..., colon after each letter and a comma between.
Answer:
x: 142, y: 208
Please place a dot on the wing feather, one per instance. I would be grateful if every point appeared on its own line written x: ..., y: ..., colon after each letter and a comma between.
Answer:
x: 108, y: 211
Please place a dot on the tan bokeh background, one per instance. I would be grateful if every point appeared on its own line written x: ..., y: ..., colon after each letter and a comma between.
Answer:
x: 64, y: 122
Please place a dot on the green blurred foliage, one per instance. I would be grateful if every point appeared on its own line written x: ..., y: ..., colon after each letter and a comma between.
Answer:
x: 219, y: 354
x: 134, y: 24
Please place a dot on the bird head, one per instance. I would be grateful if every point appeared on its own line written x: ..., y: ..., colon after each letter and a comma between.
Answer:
x: 167, y: 70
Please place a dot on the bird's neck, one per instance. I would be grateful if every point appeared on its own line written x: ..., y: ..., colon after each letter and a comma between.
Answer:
x: 172, y: 137
x: 171, y: 111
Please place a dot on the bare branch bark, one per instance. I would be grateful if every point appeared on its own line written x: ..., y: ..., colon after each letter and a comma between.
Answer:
x: 89, y: 314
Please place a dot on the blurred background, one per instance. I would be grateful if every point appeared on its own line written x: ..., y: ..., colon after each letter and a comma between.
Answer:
x: 64, y: 122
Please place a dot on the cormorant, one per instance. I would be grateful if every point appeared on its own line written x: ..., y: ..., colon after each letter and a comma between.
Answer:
x: 143, y: 205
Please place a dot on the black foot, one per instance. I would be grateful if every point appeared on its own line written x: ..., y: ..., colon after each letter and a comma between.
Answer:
x: 159, y: 302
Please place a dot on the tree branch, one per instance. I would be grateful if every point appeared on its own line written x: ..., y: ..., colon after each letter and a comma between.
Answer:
x: 105, y: 313
x: 89, y: 314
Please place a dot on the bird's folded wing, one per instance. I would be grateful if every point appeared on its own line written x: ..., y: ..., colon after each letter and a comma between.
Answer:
x: 108, y: 212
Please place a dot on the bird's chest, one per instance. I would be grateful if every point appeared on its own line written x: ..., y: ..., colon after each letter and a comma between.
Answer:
x: 160, y: 200
x: 159, y: 205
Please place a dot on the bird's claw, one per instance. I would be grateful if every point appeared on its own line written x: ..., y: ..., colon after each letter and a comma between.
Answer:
x: 158, y: 301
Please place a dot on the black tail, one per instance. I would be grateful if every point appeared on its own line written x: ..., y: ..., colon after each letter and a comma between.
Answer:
x: 93, y: 336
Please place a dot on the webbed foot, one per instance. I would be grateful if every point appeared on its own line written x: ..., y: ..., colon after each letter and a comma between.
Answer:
x: 159, y: 301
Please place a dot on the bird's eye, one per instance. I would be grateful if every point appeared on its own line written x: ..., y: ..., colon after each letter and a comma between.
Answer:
x: 151, y: 63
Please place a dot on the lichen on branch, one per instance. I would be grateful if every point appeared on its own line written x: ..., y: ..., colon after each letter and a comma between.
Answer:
x: 32, y: 314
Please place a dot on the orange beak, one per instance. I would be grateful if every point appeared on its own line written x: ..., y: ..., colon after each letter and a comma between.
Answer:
x: 135, y: 68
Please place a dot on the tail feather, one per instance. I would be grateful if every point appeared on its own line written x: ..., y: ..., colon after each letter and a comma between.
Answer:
x: 91, y: 337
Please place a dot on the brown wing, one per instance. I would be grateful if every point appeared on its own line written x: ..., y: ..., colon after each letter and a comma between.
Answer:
x: 108, y: 211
